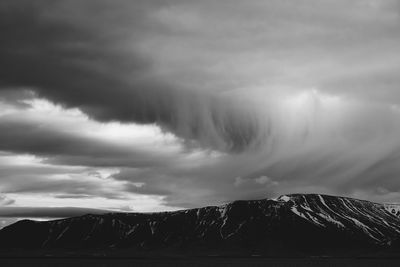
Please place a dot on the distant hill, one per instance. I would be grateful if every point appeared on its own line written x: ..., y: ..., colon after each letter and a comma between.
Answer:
x: 296, y: 224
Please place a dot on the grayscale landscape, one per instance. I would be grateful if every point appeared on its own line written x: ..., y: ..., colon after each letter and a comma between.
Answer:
x: 200, y: 132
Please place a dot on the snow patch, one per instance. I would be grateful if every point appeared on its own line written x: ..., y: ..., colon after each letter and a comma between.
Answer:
x: 331, y: 220
x: 295, y: 211
x: 393, y: 209
x: 284, y: 198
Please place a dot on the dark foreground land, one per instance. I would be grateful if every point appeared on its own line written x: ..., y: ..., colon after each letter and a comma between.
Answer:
x: 198, y: 262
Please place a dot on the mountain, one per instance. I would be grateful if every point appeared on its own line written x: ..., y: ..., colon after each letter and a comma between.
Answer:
x: 296, y: 224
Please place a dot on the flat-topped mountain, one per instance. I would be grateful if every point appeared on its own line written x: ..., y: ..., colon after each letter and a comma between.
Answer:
x: 298, y: 224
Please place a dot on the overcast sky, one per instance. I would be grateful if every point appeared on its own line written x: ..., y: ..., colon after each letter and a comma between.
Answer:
x: 159, y: 105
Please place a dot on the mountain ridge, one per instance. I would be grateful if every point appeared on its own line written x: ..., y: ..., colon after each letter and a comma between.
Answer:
x: 289, y: 224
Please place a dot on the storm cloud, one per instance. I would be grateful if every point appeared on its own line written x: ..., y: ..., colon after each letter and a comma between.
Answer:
x: 153, y: 105
x: 92, y: 60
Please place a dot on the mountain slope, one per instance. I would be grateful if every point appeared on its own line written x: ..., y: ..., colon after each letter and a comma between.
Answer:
x: 297, y: 223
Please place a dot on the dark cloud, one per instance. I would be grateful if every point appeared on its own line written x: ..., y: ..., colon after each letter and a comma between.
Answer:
x: 69, y: 148
x: 304, y: 93
x: 79, y: 62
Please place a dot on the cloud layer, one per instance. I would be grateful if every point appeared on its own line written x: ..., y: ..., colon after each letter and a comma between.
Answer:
x: 151, y: 105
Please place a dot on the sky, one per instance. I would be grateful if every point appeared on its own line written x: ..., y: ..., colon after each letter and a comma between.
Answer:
x: 145, y: 106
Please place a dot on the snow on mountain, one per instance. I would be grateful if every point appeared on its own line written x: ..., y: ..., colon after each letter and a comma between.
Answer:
x: 393, y: 208
x: 346, y: 213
